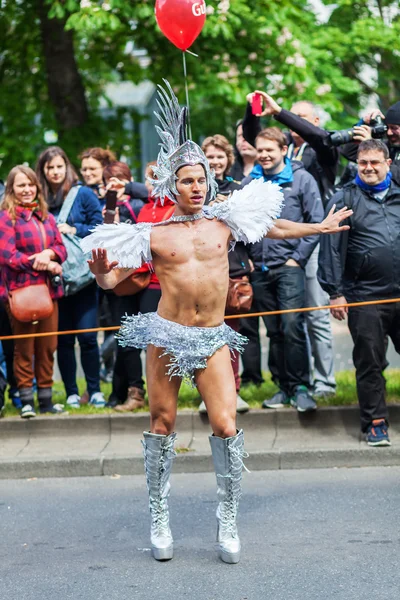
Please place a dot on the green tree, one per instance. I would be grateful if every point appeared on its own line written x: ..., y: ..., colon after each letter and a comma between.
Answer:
x: 58, y: 55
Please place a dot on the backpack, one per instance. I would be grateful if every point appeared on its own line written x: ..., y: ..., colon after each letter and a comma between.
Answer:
x: 76, y: 272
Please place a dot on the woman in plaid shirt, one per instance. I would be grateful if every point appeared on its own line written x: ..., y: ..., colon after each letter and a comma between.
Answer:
x: 31, y: 253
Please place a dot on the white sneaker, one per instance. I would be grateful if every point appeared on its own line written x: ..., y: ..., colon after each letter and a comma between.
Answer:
x: 202, y: 408
x: 241, y: 405
x: 98, y: 400
x: 27, y: 412
x: 74, y: 401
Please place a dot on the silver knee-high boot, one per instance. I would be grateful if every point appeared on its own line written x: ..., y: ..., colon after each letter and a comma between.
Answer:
x: 228, y: 457
x: 158, y: 452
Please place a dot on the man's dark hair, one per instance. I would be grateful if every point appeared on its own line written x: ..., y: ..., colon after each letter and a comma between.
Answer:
x: 368, y: 145
x: 273, y: 134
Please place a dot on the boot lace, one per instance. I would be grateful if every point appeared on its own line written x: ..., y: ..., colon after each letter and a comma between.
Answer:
x: 159, y: 512
x: 157, y: 478
x: 230, y: 505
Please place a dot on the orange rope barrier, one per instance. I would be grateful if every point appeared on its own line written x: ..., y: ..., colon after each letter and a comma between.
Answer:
x: 243, y: 316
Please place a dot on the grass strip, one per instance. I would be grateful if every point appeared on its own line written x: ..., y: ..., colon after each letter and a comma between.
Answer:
x: 189, y: 398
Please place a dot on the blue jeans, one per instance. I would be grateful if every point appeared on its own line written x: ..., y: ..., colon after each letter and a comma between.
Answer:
x: 79, y: 312
x: 282, y: 288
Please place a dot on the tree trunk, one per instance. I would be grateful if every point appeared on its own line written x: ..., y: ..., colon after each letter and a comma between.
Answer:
x: 64, y: 81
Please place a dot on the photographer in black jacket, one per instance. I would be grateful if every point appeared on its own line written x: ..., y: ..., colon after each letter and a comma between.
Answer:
x: 362, y: 264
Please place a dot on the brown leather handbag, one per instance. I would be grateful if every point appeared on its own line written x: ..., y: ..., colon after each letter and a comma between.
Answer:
x: 133, y: 284
x: 31, y: 304
x: 240, y: 296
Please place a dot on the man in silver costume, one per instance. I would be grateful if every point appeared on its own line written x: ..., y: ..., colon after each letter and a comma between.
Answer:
x: 187, y: 337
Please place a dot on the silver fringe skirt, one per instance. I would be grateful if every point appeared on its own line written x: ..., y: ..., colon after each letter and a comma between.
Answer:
x: 188, y: 347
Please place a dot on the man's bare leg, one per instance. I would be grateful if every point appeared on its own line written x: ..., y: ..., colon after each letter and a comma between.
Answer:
x: 216, y: 385
x: 159, y: 448
x: 162, y: 392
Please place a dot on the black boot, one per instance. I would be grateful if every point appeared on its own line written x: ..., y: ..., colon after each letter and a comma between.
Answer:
x: 46, y: 405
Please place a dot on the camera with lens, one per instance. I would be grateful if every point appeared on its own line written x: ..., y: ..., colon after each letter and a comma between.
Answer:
x: 56, y: 281
x: 378, y: 128
x: 343, y: 136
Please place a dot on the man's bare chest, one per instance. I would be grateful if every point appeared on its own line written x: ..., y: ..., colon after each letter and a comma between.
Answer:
x: 179, y: 243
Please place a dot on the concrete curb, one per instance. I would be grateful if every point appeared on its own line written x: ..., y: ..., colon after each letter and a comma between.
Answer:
x: 103, y: 445
x: 90, y: 466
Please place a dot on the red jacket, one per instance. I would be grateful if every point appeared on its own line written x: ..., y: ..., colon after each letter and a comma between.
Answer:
x: 153, y: 212
x: 19, y: 241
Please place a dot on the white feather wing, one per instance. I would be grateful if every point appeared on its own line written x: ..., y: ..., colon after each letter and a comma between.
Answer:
x: 251, y: 211
x: 128, y: 244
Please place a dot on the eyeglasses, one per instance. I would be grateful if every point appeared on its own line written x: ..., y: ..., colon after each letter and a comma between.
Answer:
x: 373, y: 163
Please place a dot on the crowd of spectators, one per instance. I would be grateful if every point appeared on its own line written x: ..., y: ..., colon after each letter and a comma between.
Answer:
x: 44, y: 212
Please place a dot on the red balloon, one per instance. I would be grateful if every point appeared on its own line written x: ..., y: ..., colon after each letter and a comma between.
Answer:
x: 181, y: 21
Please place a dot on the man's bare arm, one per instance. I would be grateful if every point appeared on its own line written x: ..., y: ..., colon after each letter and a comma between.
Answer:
x: 284, y: 229
x: 107, y: 274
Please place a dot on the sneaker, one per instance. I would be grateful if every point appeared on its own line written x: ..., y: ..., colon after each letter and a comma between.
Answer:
x: 97, y: 399
x: 106, y: 375
x: 27, y: 412
x: 55, y: 409
x: 324, y: 396
x: 278, y: 400
x: 377, y: 433
x: 74, y: 401
x: 302, y: 400
x: 241, y: 405
x: 112, y: 402
x: 202, y: 408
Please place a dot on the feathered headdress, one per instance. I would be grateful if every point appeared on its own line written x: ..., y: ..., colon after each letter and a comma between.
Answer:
x: 176, y: 150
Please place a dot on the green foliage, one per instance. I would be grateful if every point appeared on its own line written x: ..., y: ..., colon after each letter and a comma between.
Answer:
x: 276, y: 45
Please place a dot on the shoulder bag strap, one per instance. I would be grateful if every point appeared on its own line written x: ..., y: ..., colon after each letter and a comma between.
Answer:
x: 130, y: 209
x: 67, y: 204
x: 42, y: 233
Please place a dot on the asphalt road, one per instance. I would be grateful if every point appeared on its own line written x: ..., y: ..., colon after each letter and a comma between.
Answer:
x: 307, y: 535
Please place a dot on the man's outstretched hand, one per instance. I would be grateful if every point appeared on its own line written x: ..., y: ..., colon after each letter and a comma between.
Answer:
x: 331, y: 224
x: 99, y: 263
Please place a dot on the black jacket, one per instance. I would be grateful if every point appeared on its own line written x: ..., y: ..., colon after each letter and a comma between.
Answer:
x: 363, y: 263
x: 137, y: 190
x: 302, y: 205
x: 319, y: 158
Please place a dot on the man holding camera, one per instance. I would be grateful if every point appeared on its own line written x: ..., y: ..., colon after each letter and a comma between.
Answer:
x: 361, y: 264
x: 374, y: 125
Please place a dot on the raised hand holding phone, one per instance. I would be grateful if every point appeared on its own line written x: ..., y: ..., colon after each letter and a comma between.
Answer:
x: 111, y: 205
x: 256, y: 104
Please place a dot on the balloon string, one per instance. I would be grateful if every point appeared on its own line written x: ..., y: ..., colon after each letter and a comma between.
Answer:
x: 187, y: 92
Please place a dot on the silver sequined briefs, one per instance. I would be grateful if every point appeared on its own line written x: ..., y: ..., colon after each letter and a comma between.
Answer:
x: 187, y: 347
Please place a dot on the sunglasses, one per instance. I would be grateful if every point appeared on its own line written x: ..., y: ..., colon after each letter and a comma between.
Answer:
x: 374, y: 163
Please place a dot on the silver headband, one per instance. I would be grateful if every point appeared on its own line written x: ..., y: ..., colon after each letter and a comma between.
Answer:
x: 176, y: 150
